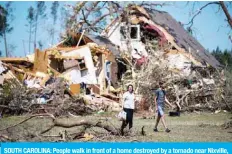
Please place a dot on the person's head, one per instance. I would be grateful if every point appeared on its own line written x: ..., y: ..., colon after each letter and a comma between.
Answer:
x: 161, y: 85
x: 130, y: 88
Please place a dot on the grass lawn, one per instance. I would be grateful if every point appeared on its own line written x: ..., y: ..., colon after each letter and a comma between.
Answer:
x: 191, y: 127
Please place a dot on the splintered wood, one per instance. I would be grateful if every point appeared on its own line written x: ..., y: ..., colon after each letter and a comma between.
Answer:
x: 41, y: 61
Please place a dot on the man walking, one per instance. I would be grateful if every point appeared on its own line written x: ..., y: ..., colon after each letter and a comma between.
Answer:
x: 160, y: 99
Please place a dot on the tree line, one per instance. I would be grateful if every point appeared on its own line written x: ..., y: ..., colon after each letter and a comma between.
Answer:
x: 83, y: 16
x: 35, y: 14
x: 224, y: 57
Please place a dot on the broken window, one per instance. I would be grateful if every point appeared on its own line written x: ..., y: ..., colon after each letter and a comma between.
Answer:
x: 123, y: 31
x: 134, y: 32
x: 84, y: 73
x: 82, y: 64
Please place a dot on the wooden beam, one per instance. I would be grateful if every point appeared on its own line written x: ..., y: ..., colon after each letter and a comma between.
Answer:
x: 67, y: 57
x: 4, y: 59
x: 99, y: 50
x: 56, y: 73
x: 66, y: 49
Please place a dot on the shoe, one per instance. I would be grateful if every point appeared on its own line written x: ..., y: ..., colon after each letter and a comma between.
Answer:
x: 155, y: 130
x: 167, y: 130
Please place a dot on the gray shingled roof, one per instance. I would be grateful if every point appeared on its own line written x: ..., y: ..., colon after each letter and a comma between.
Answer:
x: 182, y: 38
x: 104, y: 41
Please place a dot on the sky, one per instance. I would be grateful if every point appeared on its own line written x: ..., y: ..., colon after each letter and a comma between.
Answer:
x: 210, y: 28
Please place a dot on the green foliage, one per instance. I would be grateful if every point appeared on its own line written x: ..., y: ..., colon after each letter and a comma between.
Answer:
x: 40, y: 45
x: 54, y: 8
x: 31, y: 15
x: 224, y: 57
x: 5, y: 18
x: 31, y: 21
x: 40, y: 9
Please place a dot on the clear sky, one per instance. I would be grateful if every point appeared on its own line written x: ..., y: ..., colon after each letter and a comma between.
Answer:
x: 210, y: 28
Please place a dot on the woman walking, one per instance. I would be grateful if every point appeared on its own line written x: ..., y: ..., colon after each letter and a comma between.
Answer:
x: 128, y: 107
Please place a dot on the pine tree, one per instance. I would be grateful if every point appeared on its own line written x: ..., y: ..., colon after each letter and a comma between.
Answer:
x: 31, y: 21
x: 6, y: 16
x: 54, y: 9
x: 39, y: 14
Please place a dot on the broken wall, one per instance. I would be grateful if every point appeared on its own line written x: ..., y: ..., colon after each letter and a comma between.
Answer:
x: 115, y: 36
x: 88, y: 75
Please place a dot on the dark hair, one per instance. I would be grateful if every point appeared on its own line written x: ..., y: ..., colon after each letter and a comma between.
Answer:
x: 161, y: 84
x: 131, y: 86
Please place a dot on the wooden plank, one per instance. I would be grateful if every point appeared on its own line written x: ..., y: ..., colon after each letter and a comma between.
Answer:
x: 22, y: 71
x: 110, y: 96
x: 99, y: 50
x: 41, y: 61
x: 66, y: 49
x: 95, y: 89
x: 127, y: 60
x: 75, y: 89
x: 56, y: 73
x: 12, y: 67
x: 66, y: 57
x: 104, y: 69
x: 5, y: 59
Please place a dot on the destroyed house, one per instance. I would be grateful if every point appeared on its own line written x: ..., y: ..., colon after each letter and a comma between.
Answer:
x: 99, y: 60
x: 79, y: 59
x: 158, y: 28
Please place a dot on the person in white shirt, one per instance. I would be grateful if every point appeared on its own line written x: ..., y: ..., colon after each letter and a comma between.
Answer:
x: 128, y: 107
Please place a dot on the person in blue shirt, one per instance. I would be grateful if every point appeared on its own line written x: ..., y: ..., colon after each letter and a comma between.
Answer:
x: 160, y: 99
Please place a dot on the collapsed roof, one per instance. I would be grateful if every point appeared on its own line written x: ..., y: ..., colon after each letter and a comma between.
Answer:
x: 182, y: 38
x: 170, y: 32
x: 104, y: 41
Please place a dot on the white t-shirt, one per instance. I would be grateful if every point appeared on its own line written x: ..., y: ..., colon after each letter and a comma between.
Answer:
x: 128, y: 99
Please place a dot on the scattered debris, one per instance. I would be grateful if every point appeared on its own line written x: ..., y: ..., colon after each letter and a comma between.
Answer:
x: 227, y: 125
x: 85, y: 73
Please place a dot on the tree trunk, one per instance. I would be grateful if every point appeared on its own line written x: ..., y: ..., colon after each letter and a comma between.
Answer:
x: 5, y: 43
x: 229, y: 19
x: 36, y: 20
x: 30, y: 39
x: 53, y: 34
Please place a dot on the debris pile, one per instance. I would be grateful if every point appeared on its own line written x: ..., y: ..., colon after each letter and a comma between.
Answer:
x: 142, y: 47
x: 72, y: 77
x: 55, y: 99
x: 157, y: 48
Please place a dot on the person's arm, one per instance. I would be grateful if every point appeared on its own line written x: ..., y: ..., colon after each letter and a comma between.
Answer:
x: 123, y: 99
x: 166, y: 100
x: 156, y: 105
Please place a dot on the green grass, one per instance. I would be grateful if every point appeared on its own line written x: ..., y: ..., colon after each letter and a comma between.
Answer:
x: 204, y: 127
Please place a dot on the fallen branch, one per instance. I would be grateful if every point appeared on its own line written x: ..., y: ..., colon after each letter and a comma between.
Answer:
x: 59, y: 123
x: 36, y: 115
x: 6, y: 138
x: 223, y: 98
x: 4, y: 106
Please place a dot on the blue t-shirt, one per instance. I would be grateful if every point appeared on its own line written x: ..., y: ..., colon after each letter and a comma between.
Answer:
x: 160, y: 94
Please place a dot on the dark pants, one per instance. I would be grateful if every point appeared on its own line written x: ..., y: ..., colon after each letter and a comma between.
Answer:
x: 129, y: 119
